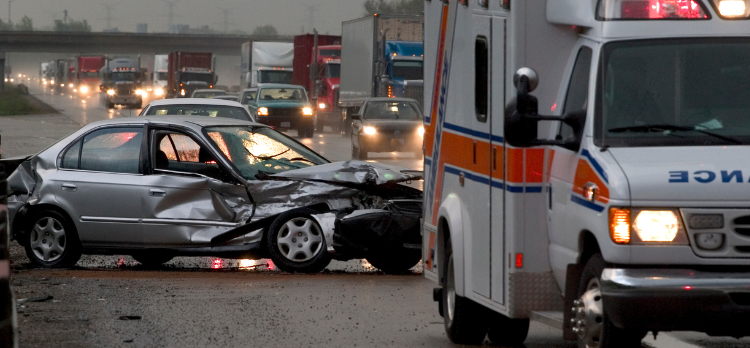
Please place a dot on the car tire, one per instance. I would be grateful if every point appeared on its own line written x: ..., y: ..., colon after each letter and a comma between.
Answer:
x: 508, y: 332
x: 395, y: 262
x: 598, y: 331
x: 153, y: 258
x: 296, y: 244
x: 465, y: 320
x: 52, y: 240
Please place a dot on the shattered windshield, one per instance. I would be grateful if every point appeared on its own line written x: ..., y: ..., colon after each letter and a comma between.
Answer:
x: 253, y: 150
x: 674, y: 93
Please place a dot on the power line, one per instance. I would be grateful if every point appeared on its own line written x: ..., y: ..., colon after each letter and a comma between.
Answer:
x: 170, y: 15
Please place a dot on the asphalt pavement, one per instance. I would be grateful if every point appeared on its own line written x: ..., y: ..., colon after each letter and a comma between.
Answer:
x: 195, y: 302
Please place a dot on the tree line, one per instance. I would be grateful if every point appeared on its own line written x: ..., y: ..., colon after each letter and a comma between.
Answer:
x: 26, y: 24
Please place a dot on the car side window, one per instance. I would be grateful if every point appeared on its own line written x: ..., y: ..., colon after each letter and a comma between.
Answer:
x: 71, y: 156
x: 178, y: 152
x: 576, y: 99
x: 115, y: 150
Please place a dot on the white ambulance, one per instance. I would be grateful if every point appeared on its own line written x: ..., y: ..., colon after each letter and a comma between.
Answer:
x: 585, y: 166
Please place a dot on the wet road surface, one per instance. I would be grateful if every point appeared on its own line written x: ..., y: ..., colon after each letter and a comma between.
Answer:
x: 201, y: 301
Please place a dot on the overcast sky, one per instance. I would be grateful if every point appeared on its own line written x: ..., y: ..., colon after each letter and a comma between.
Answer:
x: 288, y: 16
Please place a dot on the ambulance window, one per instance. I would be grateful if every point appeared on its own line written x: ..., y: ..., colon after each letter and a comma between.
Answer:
x: 576, y: 99
x: 481, y: 72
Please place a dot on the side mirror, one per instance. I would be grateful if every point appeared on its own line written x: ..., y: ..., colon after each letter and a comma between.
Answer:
x: 357, y: 117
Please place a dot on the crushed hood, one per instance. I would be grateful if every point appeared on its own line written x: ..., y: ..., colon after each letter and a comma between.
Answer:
x: 686, y: 174
x: 353, y: 172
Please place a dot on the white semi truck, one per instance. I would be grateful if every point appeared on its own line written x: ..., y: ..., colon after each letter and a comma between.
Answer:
x: 161, y: 75
x: 585, y: 167
x: 266, y: 62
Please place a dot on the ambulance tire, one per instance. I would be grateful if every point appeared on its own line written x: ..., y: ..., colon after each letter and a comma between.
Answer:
x: 395, y: 262
x: 508, y: 332
x: 610, y: 335
x: 465, y: 320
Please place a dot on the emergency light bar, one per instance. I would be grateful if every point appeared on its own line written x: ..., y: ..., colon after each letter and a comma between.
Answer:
x: 652, y: 9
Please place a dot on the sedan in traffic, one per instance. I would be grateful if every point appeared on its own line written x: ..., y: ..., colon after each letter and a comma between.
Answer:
x: 198, y: 107
x: 387, y: 125
x: 166, y: 186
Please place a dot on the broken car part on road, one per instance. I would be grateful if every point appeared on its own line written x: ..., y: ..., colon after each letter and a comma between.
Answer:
x: 159, y: 187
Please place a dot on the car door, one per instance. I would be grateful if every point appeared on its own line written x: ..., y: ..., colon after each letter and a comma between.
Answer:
x: 99, y: 184
x: 188, y: 198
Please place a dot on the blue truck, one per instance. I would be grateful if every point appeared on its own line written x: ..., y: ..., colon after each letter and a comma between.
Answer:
x: 381, y: 56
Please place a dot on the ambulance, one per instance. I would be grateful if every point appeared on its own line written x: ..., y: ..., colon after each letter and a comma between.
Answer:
x: 587, y: 165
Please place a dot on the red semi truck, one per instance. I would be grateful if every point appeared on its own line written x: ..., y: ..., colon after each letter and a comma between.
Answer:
x: 319, y: 72
x: 189, y: 71
x: 87, y: 77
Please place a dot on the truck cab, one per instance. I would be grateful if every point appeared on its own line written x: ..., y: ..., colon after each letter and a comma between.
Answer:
x: 602, y: 193
x: 87, y: 79
x: 122, y: 83
x: 329, y: 77
x: 405, y: 69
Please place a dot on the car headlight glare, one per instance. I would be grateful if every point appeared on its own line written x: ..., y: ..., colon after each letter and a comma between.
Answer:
x: 370, y: 130
x: 159, y: 92
x: 140, y: 92
x: 656, y: 225
x: 322, y: 106
x: 420, y: 130
x: 111, y: 92
x: 84, y: 89
x: 307, y: 111
x: 262, y: 111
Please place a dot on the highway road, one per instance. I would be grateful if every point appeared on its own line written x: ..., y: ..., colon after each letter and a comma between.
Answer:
x: 112, y: 301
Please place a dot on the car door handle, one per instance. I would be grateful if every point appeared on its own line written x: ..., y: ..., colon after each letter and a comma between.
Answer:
x: 69, y: 187
x: 157, y: 193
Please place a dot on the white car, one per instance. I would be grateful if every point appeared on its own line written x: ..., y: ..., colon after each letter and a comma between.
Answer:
x: 198, y: 107
x: 207, y: 93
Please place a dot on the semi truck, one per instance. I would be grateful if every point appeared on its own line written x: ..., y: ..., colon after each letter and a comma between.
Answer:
x: 583, y: 168
x: 122, y: 83
x: 266, y: 62
x: 317, y: 67
x: 60, y: 73
x: 160, y: 77
x: 87, y: 78
x: 189, y: 71
x: 43, y: 72
x: 381, y: 56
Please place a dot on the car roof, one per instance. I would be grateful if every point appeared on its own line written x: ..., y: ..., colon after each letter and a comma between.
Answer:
x: 279, y: 85
x: 210, y: 90
x: 250, y: 89
x: 193, y: 101
x: 185, y: 121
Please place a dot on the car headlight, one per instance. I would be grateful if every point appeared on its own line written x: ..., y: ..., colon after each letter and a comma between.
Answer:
x: 307, y: 111
x: 420, y: 130
x: 650, y: 226
x: 370, y: 130
x: 140, y: 92
x: 262, y: 111
x: 84, y: 89
x: 70, y: 85
x: 158, y: 92
x: 111, y: 92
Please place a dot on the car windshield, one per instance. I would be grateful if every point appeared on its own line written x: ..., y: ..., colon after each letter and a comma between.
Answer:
x: 333, y: 71
x: 253, y: 150
x: 674, y: 93
x: 408, y: 70
x: 123, y: 76
x: 282, y: 94
x: 208, y: 94
x: 224, y: 111
x: 200, y: 77
x: 247, y: 96
x: 330, y: 52
x: 389, y: 110
x: 275, y: 76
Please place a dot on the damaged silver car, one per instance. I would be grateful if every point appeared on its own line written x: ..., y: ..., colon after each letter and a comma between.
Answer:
x: 160, y: 187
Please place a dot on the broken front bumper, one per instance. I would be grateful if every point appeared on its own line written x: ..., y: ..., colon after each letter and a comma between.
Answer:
x: 678, y: 300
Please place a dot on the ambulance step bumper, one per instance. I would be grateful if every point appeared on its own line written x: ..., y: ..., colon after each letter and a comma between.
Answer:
x: 717, y: 303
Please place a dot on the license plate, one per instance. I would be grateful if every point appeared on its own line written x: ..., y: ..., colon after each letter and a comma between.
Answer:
x: 286, y: 124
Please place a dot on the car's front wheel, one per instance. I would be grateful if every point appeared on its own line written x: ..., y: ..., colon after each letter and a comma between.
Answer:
x: 52, y: 240
x: 296, y: 243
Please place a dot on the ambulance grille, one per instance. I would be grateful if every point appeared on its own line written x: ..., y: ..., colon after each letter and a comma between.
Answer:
x: 735, y: 232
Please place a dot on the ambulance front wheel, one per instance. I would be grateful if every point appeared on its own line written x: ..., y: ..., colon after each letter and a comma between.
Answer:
x: 465, y: 320
x: 590, y: 322
x: 509, y: 332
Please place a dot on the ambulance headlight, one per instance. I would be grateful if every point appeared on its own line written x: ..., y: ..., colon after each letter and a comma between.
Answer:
x: 647, y: 226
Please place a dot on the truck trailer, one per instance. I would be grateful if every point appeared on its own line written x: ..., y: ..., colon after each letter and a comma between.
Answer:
x: 266, y: 62
x: 583, y: 168
x: 317, y: 67
x: 189, y: 71
x: 381, y: 56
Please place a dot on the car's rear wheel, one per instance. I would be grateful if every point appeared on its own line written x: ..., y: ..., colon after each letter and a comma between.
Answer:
x: 52, y: 240
x: 296, y: 243
x: 152, y: 259
x: 465, y: 320
x: 395, y: 262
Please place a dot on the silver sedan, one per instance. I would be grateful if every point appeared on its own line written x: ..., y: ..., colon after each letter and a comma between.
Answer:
x: 164, y: 186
